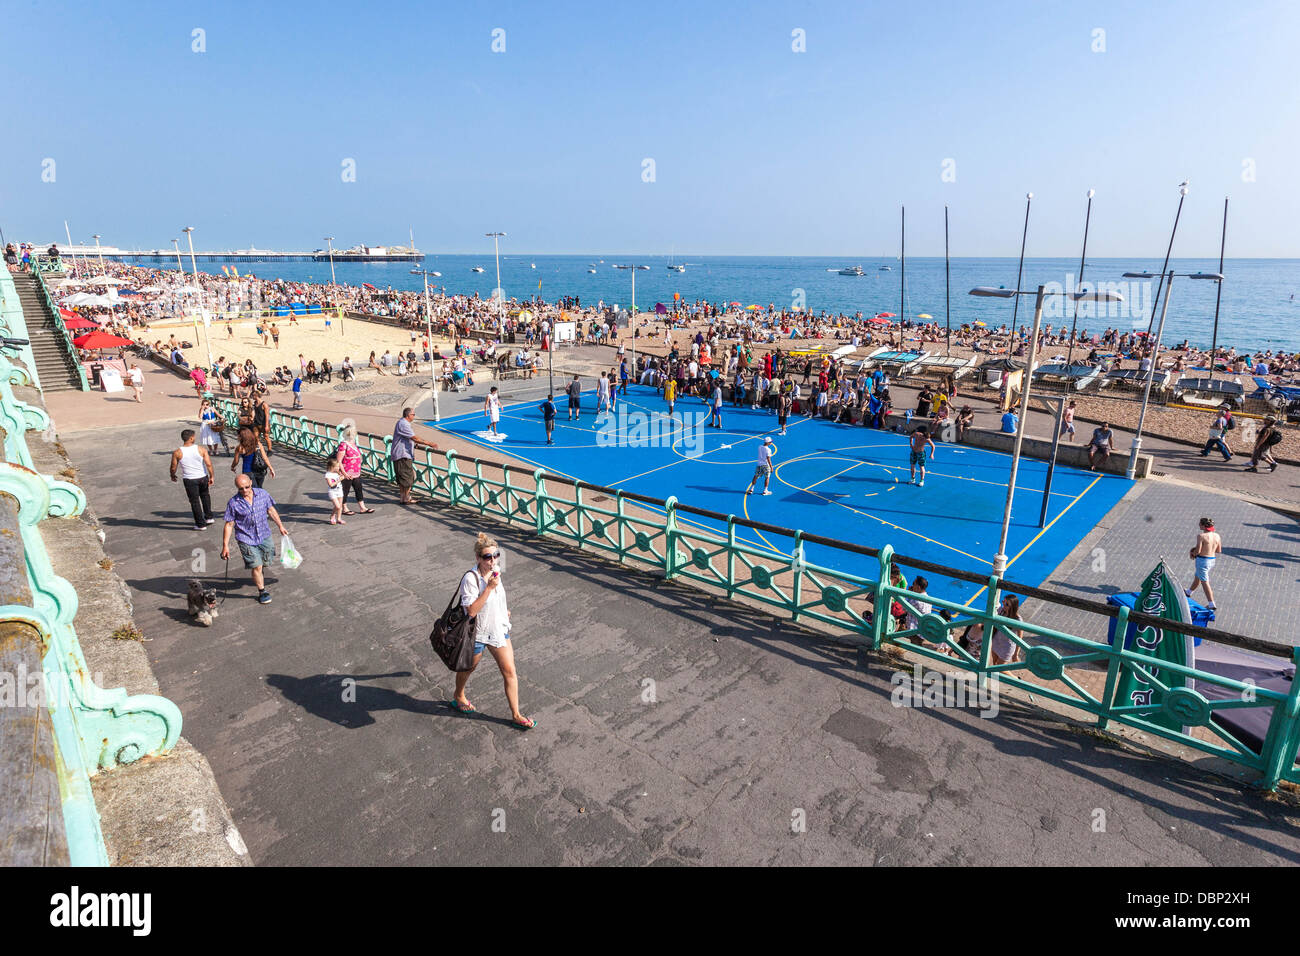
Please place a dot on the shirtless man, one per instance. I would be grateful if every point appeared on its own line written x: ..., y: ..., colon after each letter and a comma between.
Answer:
x: 1208, y: 547
x: 918, y: 440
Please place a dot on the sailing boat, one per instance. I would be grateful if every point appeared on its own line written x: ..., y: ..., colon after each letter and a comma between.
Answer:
x: 672, y: 266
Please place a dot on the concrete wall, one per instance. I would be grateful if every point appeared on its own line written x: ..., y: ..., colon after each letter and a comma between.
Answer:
x: 1075, y: 455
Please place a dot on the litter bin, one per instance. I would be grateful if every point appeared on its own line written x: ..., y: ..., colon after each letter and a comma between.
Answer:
x: 1201, y: 617
x: 95, y: 369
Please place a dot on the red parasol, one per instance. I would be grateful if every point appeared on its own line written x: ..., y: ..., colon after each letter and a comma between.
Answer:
x: 77, y: 322
x: 885, y: 315
x: 100, y: 340
x: 877, y: 321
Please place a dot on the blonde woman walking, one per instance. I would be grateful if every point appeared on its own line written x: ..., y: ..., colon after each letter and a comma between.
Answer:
x: 483, y: 597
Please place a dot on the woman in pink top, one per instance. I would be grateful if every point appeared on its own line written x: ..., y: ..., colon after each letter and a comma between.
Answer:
x: 349, y: 454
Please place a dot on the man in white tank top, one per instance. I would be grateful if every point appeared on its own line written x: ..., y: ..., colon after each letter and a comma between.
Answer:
x: 196, y: 474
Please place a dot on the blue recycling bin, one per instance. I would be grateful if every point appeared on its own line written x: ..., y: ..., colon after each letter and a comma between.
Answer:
x: 1201, y: 617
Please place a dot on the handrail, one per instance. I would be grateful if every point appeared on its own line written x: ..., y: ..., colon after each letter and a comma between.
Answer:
x: 845, y: 602
x: 65, y: 337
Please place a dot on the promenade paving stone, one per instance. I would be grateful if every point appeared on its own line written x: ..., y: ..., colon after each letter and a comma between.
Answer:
x: 753, y: 720
x: 1256, y: 581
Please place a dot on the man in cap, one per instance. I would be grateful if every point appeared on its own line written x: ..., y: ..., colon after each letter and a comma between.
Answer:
x: 764, y: 467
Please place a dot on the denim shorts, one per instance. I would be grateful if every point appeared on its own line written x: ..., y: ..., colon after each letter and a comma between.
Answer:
x: 1204, y: 565
x: 257, y: 555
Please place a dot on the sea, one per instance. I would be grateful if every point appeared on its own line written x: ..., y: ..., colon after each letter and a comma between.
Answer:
x: 1259, y: 309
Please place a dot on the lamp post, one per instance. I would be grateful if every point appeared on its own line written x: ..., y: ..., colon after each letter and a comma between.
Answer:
x: 330, y: 240
x: 1000, y: 559
x: 496, y: 238
x: 99, y: 252
x: 428, y: 326
x: 176, y: 244
x: 1153, y: 360
x: 633, y: 267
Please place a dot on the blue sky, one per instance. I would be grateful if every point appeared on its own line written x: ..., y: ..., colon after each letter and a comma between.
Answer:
x: 757, y: 149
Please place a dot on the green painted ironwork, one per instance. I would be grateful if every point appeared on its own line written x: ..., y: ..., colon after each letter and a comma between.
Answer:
x: 657, y: 536
x: 95, y: 729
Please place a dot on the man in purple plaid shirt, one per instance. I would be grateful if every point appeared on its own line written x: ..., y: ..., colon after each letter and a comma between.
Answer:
x: 249, y: 515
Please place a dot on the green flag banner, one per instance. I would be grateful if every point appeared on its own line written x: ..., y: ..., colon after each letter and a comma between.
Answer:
x: 1160, y: 597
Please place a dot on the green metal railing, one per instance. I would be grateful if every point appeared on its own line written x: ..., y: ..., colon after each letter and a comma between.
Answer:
x: 65, y: 337
x: 662, y: 535
x: 95, y: 729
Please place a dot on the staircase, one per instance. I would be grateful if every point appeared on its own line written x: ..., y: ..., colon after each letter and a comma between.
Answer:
x: 57, y: 369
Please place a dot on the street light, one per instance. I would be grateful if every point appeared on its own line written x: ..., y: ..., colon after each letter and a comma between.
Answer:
x: 180, y: 269
x: 496, y: 238
x: 428, y: 324
x: 1000, y: 559
x: 330, y: 240
x: 99, y: 252
x: 1155, y: 354
x: 632, y: 321
x: 203, y: 311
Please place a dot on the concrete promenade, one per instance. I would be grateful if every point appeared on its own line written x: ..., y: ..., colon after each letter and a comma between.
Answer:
x: 673, y: 727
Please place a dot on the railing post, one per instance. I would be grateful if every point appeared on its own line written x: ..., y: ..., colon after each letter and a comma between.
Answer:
x: 731, y: 556
x: 1280, y: 745
x: 986, y: 645
x: 480, y: 487
x: 453, y: 477
x: 540, y: 477
x: 577, y: 510
x: 880, y: 604
x: 1113, y: 668
x: 796, y: 565
x: 389, y: 473
x: 622, y: 527
x: 505, y: 490
x: 670, y: 538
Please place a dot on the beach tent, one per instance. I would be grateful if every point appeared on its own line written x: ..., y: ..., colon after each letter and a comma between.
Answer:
x: 661, y: 309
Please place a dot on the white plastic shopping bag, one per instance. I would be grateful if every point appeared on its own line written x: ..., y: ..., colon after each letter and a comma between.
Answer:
x: 290, y: 557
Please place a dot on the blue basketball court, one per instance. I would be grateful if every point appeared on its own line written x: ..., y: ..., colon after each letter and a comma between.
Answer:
x: 838, y: 481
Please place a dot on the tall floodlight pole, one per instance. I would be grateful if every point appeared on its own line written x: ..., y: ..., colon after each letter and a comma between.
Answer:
x: 1218, y: 295
x: 100, y: 252
x: 632, y: 320
x: 176, y: 244
x: 902, y: 271
x: 1020, y: 271
x: 428, y: 325
x: 1164, y: 268
x: 68, y: 232
x: 947, y: 288
x: 496, y: 238
x: 1083, y: 259
x: 203, y: 311
x: 1000, y: 559
x: 330, y: 240
x: 1155, y: 353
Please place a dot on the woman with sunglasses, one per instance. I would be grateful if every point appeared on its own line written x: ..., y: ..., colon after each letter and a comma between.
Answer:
x: 484, y: 598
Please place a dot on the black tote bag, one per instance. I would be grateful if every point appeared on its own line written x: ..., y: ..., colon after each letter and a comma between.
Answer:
x: 452, y: 636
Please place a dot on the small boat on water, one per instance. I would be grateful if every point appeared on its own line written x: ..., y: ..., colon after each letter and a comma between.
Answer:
x: 886, y: 268
x: 672, y: 263
x: 477, y: 269
x: 852, y: 271
x: 532, y: 265
x: 592, y: 271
